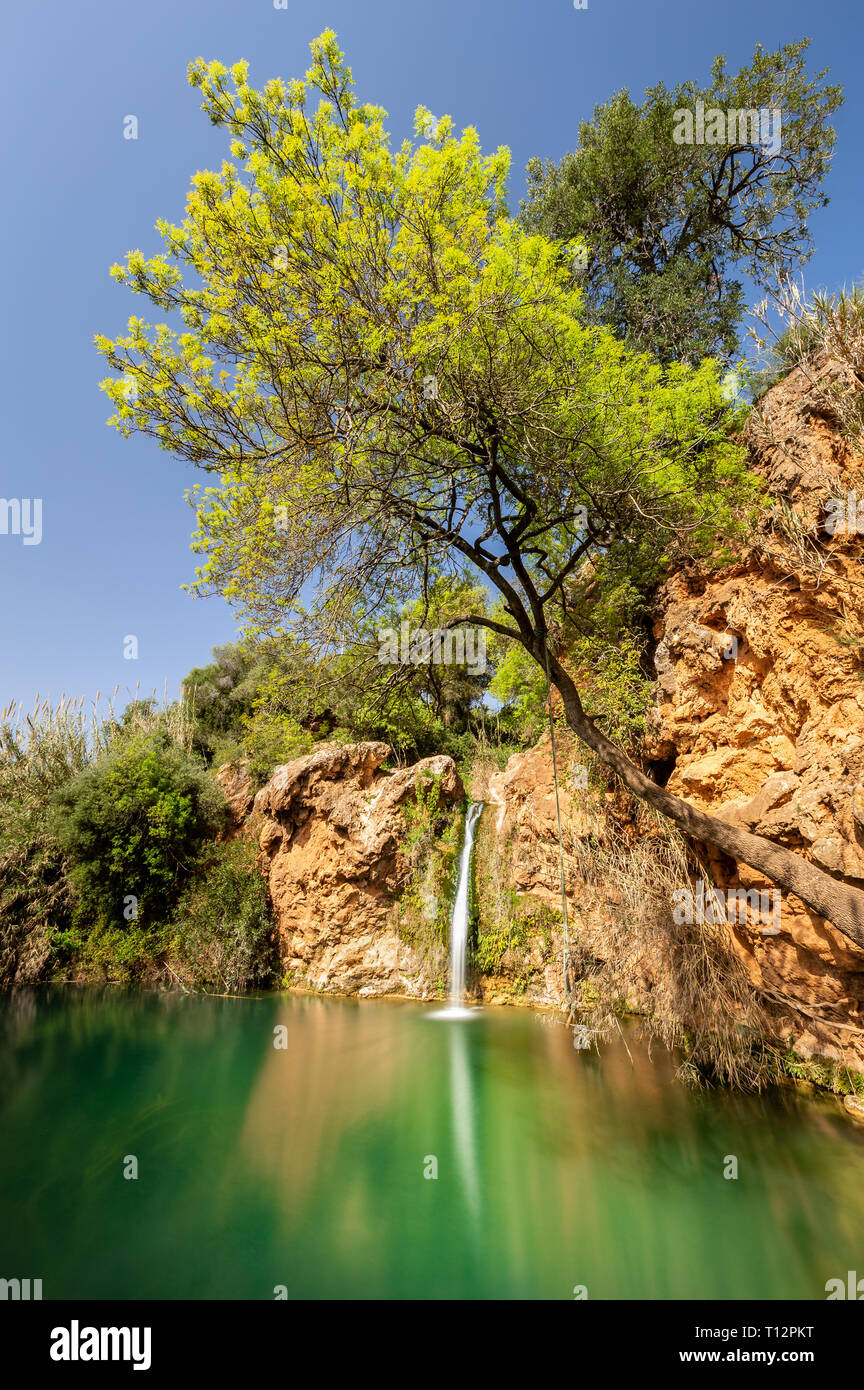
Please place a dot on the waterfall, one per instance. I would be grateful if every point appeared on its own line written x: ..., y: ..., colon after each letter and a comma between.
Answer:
x: 459, y: 920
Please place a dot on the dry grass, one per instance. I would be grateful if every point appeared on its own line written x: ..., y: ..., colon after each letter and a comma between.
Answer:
x: 813, y: 330
x: 627, y: 954
x: 689, y: 986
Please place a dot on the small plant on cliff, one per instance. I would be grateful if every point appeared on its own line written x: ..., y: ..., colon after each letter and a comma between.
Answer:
x: 222, y: 936
x: 815, y: 329
x: 424, y: 813
x: 431, y: 843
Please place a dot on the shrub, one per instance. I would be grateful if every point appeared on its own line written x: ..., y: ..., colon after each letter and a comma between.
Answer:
x: 271, y: 737
x: 98, y: 952
x: 222, y: 935
x: 38, y: 754
x: 617, y: 692
x: 133, y: 825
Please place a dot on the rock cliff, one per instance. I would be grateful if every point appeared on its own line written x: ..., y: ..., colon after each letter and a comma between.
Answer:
x: 759, y: 719
x: 760, y: 714
x: 332, y: 833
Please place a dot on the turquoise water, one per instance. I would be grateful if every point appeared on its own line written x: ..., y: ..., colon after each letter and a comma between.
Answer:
x: 303, y: 1166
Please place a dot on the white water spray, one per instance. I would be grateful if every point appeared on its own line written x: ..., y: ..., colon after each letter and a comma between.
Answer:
x: 459, y: 920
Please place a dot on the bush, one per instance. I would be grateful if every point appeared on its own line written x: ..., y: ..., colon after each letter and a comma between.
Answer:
x: 271, y: 737
x: 97, y: 952
x: 616, y: 691
x: 133, y: 826
x: 39, y: 753
x: 222, y: 933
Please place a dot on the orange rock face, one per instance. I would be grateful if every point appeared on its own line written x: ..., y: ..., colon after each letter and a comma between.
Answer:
x: 331, y: 834
x: 761, y: 703
x: 759, y: 720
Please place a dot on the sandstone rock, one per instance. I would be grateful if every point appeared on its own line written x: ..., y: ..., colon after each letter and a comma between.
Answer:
x: 766, y: 730
x: 331, y: 828
x: 772, y: 739
x: 235, y: 782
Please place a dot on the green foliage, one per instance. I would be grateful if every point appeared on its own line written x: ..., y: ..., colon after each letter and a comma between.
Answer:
x: 270, y: 700
x: 820, y: 1072
x: 222, y: 936
x: 492, y: 944
x: 423, y: 813
x: 520, y: 684
x: 218, y: 696
x: 96, y: 951
x: 101, y: 809
x: 617, y: 692
x: 270, y: 736
x: 666, y: 224
x: 342, y: 479
x: 510, y: 933
x: 133, y: 824
x: 41, y: 756
x: 434, y: 834
x: 37, y: 756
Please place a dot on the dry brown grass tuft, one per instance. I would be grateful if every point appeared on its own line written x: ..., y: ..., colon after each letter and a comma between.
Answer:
x: 690, y: 988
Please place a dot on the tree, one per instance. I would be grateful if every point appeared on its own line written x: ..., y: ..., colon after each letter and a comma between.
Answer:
x: 665, y: 221
x: 393, y: 380
x: 133, y: 824
x: 269, y: 695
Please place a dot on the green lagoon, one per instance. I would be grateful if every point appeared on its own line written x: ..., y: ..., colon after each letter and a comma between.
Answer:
x: 303, y: 1167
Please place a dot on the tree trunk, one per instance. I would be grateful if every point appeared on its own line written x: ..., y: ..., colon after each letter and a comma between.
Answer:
x: 841, y: 905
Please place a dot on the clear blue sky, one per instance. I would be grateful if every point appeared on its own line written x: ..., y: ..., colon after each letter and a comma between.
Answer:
x: 115, y: 547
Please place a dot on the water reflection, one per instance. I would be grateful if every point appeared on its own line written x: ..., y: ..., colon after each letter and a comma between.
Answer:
x: 305, y: 1164
x: 464, y: 1110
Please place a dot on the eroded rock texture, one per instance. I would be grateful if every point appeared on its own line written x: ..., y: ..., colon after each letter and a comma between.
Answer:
x: 759, y: 719
x: 761, y: 700
x: 331, y: 832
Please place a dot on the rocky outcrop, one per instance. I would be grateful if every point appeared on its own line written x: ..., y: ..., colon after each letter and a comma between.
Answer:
x: 759, y: 720
x: 331, y: 830
x: 760, y: 714
x: 234, y: 780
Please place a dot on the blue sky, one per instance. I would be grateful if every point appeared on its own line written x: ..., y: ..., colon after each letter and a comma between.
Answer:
x: 115, y: 546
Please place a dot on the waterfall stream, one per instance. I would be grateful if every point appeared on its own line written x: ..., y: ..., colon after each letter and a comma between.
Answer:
x: 459, y: 919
